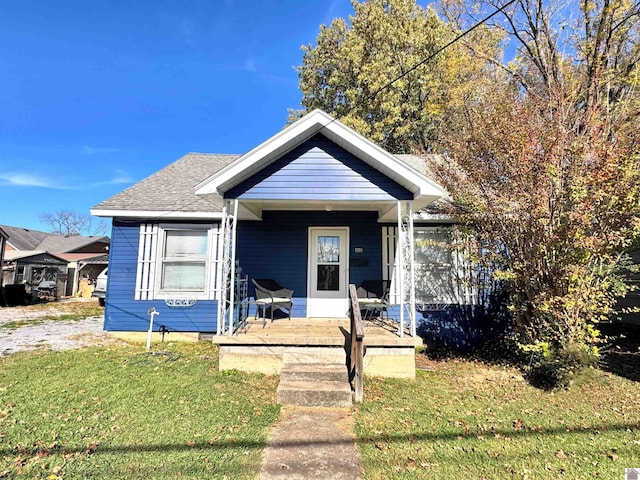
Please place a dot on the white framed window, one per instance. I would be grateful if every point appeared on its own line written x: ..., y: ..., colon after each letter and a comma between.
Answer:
x: 441, y: 271
x: 177, y: 261
x: 182, y: 265
x: 437, y: 265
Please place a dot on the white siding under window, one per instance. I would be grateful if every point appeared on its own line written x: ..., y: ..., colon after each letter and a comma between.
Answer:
x: 177, y: 261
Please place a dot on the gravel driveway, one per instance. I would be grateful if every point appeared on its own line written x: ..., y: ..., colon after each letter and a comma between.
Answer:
x: 49, y: 334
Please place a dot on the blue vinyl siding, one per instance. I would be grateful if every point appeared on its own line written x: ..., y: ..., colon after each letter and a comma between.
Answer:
x: 277, y: 248
x: 124, y: 313
x: 319, y: 169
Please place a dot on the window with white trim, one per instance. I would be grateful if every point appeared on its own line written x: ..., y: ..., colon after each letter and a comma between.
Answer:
x: 441, y: 271
x: 437, y: 266
x: 177, y: 261
x: 183, y: 263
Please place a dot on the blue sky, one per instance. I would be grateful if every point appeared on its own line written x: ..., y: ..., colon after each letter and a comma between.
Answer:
x: 95, y: 96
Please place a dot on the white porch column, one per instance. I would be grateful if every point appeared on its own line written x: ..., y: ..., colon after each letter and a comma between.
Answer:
x: 400, y: 255
x: 220, y: 267
x: 232, y: 288
x: 412, y: 272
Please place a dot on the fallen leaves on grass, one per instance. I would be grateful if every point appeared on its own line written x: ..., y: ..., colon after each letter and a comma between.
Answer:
x: 92, y: 447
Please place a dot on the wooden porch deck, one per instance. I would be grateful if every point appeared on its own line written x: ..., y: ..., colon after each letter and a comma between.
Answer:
x: 260, y: 347
x: 314, y: 332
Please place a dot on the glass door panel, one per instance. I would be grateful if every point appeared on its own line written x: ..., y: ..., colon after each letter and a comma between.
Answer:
x: 328, y: 271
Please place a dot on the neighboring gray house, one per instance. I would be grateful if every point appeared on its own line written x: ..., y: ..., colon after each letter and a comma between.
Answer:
x: 32, y: 256
x: 30, y: 268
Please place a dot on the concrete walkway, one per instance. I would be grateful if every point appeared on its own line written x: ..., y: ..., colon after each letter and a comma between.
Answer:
x: 312, y: 443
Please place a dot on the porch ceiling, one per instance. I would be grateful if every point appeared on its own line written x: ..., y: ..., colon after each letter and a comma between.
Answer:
x: 387, y: 210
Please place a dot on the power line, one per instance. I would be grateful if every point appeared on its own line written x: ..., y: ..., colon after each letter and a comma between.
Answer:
x: 425, y: 60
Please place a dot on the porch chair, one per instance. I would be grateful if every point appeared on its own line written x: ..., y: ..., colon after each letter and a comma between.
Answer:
x: 373, y: 298
x: 269, y: 294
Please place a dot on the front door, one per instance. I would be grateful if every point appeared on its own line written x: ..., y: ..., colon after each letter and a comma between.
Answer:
x: 328, y: 272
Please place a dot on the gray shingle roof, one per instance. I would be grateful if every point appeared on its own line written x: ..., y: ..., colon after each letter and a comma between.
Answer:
x: 421, y: 163
x: 24, y: 238
x: 13, y: 255
x: 438, y: 210
x: 63, y: 244
x: 414, y: 161
x: 172, y: 188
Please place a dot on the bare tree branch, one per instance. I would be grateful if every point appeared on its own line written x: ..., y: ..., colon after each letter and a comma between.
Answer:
x: 72, y: 223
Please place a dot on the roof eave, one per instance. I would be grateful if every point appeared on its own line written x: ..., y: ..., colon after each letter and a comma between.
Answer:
x: 155, y: 214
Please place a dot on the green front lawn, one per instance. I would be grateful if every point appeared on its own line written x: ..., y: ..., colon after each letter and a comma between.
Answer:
x: 119, y: 412
x: 124, y: 413
x: 471, y: 420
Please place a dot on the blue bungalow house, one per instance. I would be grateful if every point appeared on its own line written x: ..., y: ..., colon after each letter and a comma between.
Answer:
x: 316, y: 207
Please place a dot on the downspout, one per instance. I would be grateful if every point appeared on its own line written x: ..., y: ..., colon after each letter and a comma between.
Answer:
x: 400, y: 254
x: 232, y: 288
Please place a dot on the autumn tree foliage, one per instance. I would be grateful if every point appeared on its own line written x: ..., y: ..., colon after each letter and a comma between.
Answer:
x: 349, y: 72
x: 541, y: 151
x: 545, y: 169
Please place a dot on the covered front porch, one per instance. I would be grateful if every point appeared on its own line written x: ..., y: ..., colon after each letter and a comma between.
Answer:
x: 314, y: 209
x: 260, y: 347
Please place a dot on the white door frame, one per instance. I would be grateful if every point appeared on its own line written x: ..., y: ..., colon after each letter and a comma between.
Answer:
x: 323, y: 303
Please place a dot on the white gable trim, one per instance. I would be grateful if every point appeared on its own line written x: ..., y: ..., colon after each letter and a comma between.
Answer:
x: 315, y: 122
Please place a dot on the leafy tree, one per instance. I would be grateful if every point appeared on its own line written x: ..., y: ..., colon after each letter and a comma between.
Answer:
x: 72, y: 223
x: 543, y: 151
x: 348, y: 72
x: 545, y: 169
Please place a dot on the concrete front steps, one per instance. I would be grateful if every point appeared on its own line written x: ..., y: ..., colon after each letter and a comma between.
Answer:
x: 314, y: 377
